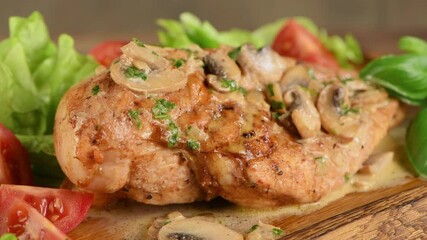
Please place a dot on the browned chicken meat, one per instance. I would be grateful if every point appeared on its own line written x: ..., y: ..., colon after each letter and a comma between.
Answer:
x: 176, y: 126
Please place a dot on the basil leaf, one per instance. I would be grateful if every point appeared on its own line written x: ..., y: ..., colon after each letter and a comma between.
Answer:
x: 416, y: 142
x: 405, y: 75
x: 413, y: 45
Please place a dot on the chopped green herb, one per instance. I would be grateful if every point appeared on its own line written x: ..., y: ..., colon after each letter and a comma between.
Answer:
x: 162, y: 108
x: 242, y: 90
x: 311, y: 73
x: 277, y: 105
x: 321, y: 159
x: 270, y: 90
x: 234, y: 53
x: 277, y: 231
x: 230, y: 84
x: 137, y: 42
x: 346, y: 109
x: 347, y: 177
x: 134, y: 115
x: 193, y: 144
x: 178, y: 62
x: 253, y: 228
x: 134, y: 72
x: 174, y: 134
x: 346, y: 80
x: 167, y: 222
x: 95, y: 90
x: 154, y: 53
x: 189, y: 51
x: 275, y: 115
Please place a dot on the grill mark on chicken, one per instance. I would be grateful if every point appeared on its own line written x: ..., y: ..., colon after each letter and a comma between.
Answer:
x: 245, y: 156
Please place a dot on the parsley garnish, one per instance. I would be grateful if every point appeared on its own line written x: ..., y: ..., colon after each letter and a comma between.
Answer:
x: 234, y: 53
x: 275, y: 115
x: 277, y: 105
x: 134, y: 115
x: 178, y: 62
x: 174, y: 131
x: 230, y: 84
x: 160, y: 111
x: 346, y: 80
x: 347, y: 177
x: 321, y: 159
x: 162, y: 108
x: 270, y: 90
x: 253, y: 228
x: 154, y: 53
x: 193, y: 144
x: 137, y: 42
x: 311, y: 73
x: 134, y: 72
x: 277, y: 231
x: 346, y: 109
x: 95, y: 90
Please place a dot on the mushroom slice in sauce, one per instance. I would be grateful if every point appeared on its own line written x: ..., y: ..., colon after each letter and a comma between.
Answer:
x: 223, y: 74
x: 146, y: 68
x: 263, y: 65
x: 302, y: 111
x: 337, y: 115
x: 298, y: 75
x: 197, y: 229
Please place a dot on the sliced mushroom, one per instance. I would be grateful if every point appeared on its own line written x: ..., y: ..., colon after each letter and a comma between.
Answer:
x: 154, y: 72
x: 197, y: 229
x: 336, y: 113
x: 302, y: 111
x: 262, y: 65
x: 220, y: 67
x: 298, y: 75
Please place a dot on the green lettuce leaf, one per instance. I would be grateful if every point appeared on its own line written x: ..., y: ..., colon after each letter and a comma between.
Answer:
x: 34, y: 75
x: 191, y: 30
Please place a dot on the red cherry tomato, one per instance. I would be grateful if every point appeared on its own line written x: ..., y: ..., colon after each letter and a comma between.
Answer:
x: 106, y: 52
x: 64, y: 208
x: 293, y: 40
x: 19, y: 218
x: 14, y: 162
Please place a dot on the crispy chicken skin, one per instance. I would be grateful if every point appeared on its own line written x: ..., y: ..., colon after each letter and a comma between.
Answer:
x: 247, y: 154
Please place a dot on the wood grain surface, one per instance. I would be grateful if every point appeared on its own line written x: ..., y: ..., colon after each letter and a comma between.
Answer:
x: 398, y: 212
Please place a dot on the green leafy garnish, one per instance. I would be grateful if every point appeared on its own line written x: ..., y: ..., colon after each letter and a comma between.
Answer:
x: 270, y: 90
x: 253, y: 228
x: 8, y: 236
x: 162, y: 108
x: 347, y: 177
x: 191, y: 30
x: 134, y: 115
x: 178, y: 62
x: 230, y: 84
x: 310, y: 72
x: 134, y: 72
x: 35, y: 72
x: 95, y: 90
x: 234, y: 53
x: 277, y: 231
x: 413, y: 45
x: 416, y: 142
x: 174, y: 133
x: 193, y: 144
x: 138, y: 42
x: 346, y: 109
x: 276, y: 105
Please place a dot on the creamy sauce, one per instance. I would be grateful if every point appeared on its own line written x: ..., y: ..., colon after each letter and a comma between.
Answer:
x: 131, y: 220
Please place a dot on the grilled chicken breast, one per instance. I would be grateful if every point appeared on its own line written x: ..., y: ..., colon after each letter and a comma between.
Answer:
x: 177, y: 126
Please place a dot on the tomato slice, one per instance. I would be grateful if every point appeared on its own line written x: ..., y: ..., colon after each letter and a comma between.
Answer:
x: 106, y: 52
x: 19, y: 218
x: 64, y: 208
x: 293, y: 40
x: 14, y: 163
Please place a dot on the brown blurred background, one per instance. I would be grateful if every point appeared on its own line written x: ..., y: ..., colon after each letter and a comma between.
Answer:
x: 377, y: 23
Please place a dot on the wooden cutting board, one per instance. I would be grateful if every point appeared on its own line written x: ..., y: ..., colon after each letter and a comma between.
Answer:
x: 399, y: 212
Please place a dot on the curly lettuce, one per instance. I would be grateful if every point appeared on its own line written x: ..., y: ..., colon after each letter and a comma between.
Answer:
x: 189, y: 29
x: 34, y: 75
